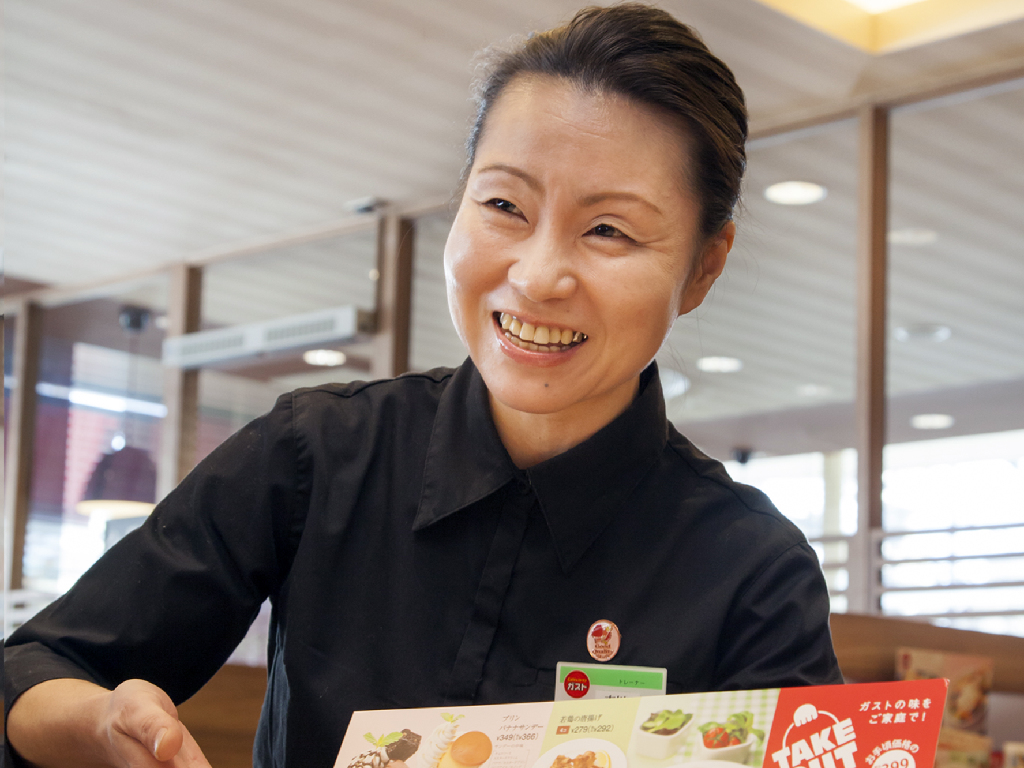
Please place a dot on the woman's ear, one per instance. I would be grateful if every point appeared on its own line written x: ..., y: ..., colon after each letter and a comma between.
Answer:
x: 707, y: 269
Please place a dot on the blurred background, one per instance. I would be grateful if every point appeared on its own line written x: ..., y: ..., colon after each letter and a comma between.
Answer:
x: 275, y: 176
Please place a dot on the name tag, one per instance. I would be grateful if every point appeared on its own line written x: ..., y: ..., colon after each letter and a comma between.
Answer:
x: 607, y: 681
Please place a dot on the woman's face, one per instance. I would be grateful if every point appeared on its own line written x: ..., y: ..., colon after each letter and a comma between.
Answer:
x: 576, y: 218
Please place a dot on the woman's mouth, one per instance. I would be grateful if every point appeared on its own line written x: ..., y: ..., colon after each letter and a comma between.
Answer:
x: 538, y: 338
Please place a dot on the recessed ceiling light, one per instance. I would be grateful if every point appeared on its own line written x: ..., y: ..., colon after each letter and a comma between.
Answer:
x: 922, y: 332
x: 881, y: 6
x: 375, y: 274
x: 795, y: 193
x: 673, y: 383
x: 931, y: 421
x: 720, y: 364
x: 813, y: 390
x: 327, y: 357
x: 913, y: 236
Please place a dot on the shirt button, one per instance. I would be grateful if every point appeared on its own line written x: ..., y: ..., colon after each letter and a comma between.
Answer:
x: 523, y: 488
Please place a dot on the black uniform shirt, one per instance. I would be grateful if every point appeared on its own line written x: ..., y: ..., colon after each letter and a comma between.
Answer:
x: 410, y: 563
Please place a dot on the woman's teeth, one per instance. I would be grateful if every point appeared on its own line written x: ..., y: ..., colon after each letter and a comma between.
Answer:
x: 538, y: 338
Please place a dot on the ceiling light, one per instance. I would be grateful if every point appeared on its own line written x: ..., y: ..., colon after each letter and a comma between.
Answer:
x: 881, y: 6
x: 931, y: 421
x: 795, y: 193
x: 326, y: 357
x: 913, y: 236
x: 720, y: 364
x: 922, y: 332
x: 673, y: 383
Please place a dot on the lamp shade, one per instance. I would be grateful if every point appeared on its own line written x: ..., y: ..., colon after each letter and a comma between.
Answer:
x: 123, y: 484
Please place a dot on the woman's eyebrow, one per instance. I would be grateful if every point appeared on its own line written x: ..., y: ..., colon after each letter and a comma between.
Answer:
x: 593, y: 199
x: 600, y: 197
x: 519, y: 173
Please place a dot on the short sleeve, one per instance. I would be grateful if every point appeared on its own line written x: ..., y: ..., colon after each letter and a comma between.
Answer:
x: 777, y: 631
x: 171, y: 600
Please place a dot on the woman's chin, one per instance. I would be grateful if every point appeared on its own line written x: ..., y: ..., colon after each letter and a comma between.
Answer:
x: 537, y: 398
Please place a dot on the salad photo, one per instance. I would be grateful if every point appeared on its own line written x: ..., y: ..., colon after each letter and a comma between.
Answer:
x: 731, y: 740
x: 666, y: 722
x: 662, y: 734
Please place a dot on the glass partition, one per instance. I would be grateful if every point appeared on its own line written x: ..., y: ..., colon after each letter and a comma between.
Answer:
x: 434, y: 341
x: 9, y: 323
x: 273, y: 286
x: 762, y: 375
x: 98, y: 422
x: 292, y: 279
x: 953, y: 498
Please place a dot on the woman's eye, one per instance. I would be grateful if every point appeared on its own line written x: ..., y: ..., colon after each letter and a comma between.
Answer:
x: 504, y: 205
x: 607, y: 230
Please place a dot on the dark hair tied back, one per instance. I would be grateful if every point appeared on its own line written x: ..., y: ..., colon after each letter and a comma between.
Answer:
x: 645, y: 54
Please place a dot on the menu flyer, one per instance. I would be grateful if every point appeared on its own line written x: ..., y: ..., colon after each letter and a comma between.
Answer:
x: 871, y: 725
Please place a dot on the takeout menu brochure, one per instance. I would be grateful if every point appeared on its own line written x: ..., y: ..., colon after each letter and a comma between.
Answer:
x: 870, y: 725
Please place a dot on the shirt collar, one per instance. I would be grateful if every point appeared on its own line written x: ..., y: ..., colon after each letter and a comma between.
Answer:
x: 579, y: 491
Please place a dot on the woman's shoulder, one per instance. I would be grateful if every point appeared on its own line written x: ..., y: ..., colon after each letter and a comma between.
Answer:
x: 325, y: 419
x: 708, y: 480
x: 410, y: 392
x: 408, y: 384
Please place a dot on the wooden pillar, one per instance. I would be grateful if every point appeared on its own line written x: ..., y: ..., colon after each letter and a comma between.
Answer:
x: 395, y: 239
x: 181, y: 387
x: 872, y: 269
x: 21, y: 438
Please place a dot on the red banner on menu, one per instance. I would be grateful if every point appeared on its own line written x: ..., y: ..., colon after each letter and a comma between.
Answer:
x: 879, y: 725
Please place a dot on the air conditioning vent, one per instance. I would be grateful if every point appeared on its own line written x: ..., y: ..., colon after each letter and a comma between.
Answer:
x: 285, y: 333
x: 209, y: 348
x: 196, y: 344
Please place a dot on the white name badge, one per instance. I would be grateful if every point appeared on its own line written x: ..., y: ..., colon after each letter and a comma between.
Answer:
x: 607, y: 681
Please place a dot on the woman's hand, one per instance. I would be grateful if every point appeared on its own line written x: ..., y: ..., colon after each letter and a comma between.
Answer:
x: 73, y: 722
x: 142, y: 729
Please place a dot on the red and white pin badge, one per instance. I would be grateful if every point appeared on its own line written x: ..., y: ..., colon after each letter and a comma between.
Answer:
x: 603, y: 640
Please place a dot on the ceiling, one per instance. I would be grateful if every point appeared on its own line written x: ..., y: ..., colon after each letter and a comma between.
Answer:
x: 141, y: 134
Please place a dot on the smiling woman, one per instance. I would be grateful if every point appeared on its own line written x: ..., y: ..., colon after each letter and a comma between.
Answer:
x: 575, y: 218
x: 450, y: 537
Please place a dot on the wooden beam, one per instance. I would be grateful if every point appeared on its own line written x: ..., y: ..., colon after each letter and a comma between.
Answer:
x: 395, y: 241
x: 237, y: 251
x: 181, y: 387
x: 21, y: 430
x: 72, y: 294
x: 872, y: 266
x: 1001, y: 73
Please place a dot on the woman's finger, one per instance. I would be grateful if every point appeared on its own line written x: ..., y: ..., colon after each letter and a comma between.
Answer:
x: 190, y: 755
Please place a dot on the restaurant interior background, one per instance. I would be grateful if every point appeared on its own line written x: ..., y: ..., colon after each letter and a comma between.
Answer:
x: 282, y: 169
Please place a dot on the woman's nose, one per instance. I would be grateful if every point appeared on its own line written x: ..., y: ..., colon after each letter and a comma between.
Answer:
x: 543, y: 268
